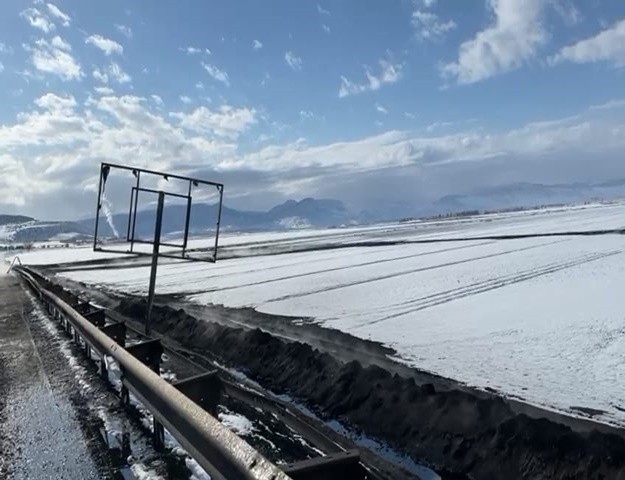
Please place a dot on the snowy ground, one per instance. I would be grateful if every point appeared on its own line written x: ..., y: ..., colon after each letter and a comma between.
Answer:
x: 537, y: 318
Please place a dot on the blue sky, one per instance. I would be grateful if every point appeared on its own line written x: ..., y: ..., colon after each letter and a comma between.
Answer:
x: 348, y: 99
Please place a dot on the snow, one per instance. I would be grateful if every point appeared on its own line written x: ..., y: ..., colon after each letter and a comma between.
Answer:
x: 236, y: 422
x: 536, y: 318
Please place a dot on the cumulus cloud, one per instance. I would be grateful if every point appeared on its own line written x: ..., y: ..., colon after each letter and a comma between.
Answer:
x: 56, y: 12
x: 157, y: 100
x: 606, y: 46
x: 216, y: 73
x: 77, y: 138
x: 108, y: 46
x: 55, y: 103
x: 38, y: 20
x: 185, y: 99
x: 325, y: 28
x: 512, y: 39
x: 293, y: 60
x: 257, y: 45
x: 389, y: 73
x: 54, y: 57
x: 227, y: 121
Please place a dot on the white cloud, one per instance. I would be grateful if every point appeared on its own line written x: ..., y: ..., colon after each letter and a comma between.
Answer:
x: 107, y: 45
x: 227, y: 121
x: 409, y: 115
x: 53, y: 57
x: 100, y: 75
x: 322, y: 10
x: 293, y: 60
x: 76, y: 141
x: 38, y: 20
x: 112, y: 72
x: 265, y: 80
x: 381, y: 109
x: 55, y: 103
x: 185, y: 99
x: 1, y: 67
x: 116, y: 72
x: 306, y: 115
x: 389, y: 73
x: 157, y: 99
x: 512, y: 40
x: 58, y: 42
x: 610, y: 105
x: 607, y: 46
x: 4, y: 49
x: 438, y: 126
x: 191, y: 50
x: 428, y: 26
x: 257, y: 45
x: 264, y: 137
x: 199, y: 86
x: 124, y: 30
x: 104, y: 90
x: 568, y: 12
x: 325, y: 28
x: 216, y: 73
x: 56, y: 12
x: 71, y: 140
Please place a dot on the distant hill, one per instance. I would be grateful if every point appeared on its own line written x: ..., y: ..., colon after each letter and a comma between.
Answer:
x: 529, y: 195
x: 25, y: 229
x: 14, y: 219
x: 311, y: 212
x: 291, y: 214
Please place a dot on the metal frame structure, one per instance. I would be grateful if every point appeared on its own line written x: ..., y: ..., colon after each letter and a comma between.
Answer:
x: 137, y: 172
x: 105, y: 169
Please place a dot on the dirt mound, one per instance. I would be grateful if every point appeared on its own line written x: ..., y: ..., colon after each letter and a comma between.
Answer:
x: 455, y: 432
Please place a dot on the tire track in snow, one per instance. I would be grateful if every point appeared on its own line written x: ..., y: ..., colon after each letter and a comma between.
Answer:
x: 315, y: 272
x: 407, y: 272
x: 447, y: 296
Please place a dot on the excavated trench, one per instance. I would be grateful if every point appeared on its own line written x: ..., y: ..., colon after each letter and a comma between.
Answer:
x: 456, y: 432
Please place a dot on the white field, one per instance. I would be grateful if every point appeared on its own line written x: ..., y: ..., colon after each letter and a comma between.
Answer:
x: 541, y: 319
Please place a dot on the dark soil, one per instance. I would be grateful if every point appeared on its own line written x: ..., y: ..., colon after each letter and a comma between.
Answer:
x: 455, y: 432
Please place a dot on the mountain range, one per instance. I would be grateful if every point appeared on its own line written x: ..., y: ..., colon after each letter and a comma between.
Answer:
x: 306, y: 213
x: 291, y: 214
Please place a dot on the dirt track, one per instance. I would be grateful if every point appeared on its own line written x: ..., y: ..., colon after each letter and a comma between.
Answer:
x: 457, y: 432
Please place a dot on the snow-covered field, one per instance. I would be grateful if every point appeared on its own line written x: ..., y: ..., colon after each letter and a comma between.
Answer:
x: 540, y: 318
